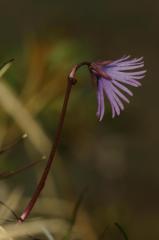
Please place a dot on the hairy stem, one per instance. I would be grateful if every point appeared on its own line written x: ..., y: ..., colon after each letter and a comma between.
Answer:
x: 41, y: 184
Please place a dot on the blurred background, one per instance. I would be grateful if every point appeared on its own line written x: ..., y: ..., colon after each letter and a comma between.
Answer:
x: 113, y: 163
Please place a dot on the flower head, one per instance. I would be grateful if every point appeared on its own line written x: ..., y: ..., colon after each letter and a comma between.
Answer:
x: 112, y: 76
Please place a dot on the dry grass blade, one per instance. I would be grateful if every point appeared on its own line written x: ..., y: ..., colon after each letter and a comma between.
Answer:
x: 12, y: 202
x: 77, y: 206
x: 5, y: 175
x: 47, y: 233
x: 102, y: 236
x: 11, y: 210
x: 121, y: 230
x: 14, y: 143
x: 23, y: 118
x: 5, y: 67
x: 4, y: 232
x: 74, y: 214
x: 54, y: 226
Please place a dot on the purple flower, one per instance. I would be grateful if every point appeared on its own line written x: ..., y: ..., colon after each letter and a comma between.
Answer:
x: 112, y: 76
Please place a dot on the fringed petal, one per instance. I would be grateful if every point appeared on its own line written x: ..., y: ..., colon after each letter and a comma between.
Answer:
x: 122, y: 71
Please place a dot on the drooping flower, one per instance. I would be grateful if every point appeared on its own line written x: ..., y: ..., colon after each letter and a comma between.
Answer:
x: 112, y: 76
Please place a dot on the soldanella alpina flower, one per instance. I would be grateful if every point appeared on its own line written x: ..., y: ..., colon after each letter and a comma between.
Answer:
x: 112, y: 78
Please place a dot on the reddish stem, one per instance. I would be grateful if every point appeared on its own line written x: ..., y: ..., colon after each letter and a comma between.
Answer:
x: 41, y: 184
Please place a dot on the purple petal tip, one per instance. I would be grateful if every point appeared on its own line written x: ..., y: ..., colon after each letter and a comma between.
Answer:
x: 123, y: 72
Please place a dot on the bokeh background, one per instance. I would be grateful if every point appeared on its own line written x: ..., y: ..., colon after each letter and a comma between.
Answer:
x: 114, y: 162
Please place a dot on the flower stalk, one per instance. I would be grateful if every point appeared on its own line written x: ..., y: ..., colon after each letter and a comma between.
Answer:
x: 71, y: 81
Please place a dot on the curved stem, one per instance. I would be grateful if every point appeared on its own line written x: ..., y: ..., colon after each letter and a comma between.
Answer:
x: 41, y: 184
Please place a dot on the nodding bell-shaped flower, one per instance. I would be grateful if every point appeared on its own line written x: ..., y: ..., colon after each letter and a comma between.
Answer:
x: 112, y: 76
